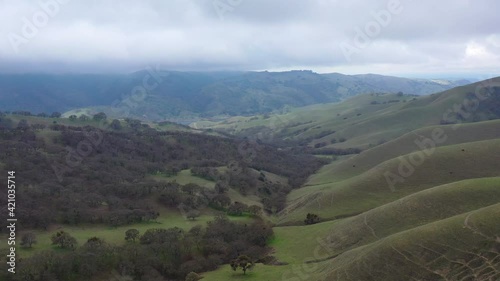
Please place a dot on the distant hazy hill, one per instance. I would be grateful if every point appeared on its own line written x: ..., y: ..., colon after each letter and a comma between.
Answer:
x: 193, y: 94
x: 369, y: 83
x: 365, y: 120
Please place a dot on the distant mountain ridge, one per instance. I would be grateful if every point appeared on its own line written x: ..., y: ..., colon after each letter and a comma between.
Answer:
x: 173, y: 94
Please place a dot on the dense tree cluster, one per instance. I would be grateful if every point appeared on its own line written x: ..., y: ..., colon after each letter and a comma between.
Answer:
x: 312, y: 219
x: 64, y: 240
x: 337, y: 151
x: 167, y: 254
x: 74, y: 175
x: 208, y: 173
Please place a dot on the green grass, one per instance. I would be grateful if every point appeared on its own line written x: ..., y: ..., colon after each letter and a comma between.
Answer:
x: 292, y: 245
x: 463, y: 247
x: 296, y: 244
x: 341, y: 170
x: 417, y: 209
x: 370, y: 189
x: 184, y: 177
x: 396, y: 257
x: 442, y: 217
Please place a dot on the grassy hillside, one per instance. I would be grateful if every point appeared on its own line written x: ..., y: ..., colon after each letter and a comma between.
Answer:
x: 343, y: 169
x: 439, y: 223
x: 417, y: 209
x: 293, y: 246
x: 463, y: 247
x: 419, y: 234
x: 371, y: 188
x: 453, y: 226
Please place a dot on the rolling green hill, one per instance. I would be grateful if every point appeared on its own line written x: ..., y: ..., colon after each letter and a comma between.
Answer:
x: 463, y: 247
x: 469, y: 132
x: 442, y: 232
x: 448, y: 232
x: 371, y: 188
x: 439, y: 222
x: 427, y: 206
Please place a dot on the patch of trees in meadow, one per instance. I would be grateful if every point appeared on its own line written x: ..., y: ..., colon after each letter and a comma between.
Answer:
x: 156, y: 254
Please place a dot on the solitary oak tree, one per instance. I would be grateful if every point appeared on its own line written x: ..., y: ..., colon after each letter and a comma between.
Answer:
x: 131, y: 234
x: 243, y: 262
x: 64, y: 240
x: 28, y: 239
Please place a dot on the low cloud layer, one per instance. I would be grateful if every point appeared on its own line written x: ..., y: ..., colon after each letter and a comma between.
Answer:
x: 398, y: 37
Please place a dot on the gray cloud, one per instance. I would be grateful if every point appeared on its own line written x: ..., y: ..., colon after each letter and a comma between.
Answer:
x: 425, y: 37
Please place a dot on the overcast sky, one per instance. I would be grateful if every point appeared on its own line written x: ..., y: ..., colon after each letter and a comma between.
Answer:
x: 413, y: 38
